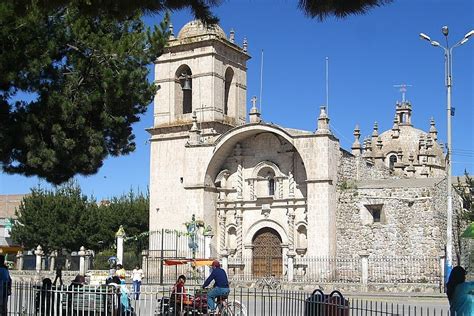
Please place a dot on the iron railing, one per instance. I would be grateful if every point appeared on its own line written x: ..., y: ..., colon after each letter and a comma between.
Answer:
x: 35, y: 299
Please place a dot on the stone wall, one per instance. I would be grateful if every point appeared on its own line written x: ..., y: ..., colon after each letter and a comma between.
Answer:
x: 410, y: 224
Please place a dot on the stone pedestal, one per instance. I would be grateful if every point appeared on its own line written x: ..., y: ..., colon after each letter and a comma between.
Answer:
x: 82, y: 263
x: 19, y: 261
x: 364, y: 260
x: 291, y: 265
x: 39, y: 256
x: 120, y: 235
x: 225, y: 260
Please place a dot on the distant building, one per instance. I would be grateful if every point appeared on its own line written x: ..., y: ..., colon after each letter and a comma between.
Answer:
x: 270, y: 192
x: 8, y: 204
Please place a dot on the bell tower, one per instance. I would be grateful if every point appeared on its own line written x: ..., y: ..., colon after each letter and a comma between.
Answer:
x: 201, y: 71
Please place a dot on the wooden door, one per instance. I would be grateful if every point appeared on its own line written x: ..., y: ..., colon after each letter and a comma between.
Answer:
x: 267, y: 259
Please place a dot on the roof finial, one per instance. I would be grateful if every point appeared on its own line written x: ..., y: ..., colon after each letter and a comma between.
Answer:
x: 433, y: 130
x: 245, y: 45
x: 403, y: 90
x: 171, y: 31
x: 356, y: 147
x: 254, y: 113
x: 375, y: 133
x: 232, y: 36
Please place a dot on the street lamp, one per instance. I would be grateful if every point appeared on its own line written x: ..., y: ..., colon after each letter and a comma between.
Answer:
x: 448, y: 62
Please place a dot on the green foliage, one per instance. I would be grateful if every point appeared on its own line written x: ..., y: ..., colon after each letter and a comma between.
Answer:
x: 71, y: 85
x: 59, y: 219
x: 465, y: 189
x: 66, y: 219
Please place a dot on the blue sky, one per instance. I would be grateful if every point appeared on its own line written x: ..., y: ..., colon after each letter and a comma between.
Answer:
x: 368, y: 55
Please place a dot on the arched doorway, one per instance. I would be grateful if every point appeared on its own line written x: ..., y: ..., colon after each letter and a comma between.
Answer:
x: 267, y: 258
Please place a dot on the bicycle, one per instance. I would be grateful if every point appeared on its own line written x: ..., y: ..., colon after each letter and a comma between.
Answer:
x: 226, y: 308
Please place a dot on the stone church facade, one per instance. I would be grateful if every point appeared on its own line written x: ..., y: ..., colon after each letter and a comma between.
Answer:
x: 270, y: 192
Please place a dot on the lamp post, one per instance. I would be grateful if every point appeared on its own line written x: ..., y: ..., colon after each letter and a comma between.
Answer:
x: 448, y: 62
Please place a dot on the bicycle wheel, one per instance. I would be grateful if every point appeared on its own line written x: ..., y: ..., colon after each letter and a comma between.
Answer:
x: 235, y: 308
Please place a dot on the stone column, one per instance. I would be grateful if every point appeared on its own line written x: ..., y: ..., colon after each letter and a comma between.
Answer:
x: 222, y: 231
x: 207, y: 248
x: 238, y: 220
x: 52, y: 261
x: 248, y: 259
x: 82, y: 263
x: 291, y: 265
x: 19, y: 261
x: 120, y: 234
x: 39, y: 255
x: 291, y: 227
x: 284, y: 252
x: 225, y: 260
x: 442, y: 263
x: 364, y: 260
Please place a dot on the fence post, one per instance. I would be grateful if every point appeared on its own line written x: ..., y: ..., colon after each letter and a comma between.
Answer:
x: 39, y: 255
x: 442, y: 262
x: 19, y: 260
x: 82, y: 264
x: 291, y: 257
x: 120, y: 234
x: 364, y: 260
x: 52, y: 261
x: 208, y: 234
x: 225, y: 261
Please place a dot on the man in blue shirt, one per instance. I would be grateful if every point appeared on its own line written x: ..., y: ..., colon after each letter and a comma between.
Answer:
x: 221, y: 285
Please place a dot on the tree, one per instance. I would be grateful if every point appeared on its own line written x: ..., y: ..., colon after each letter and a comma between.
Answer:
x: 322, y: 9
x: 129, y: 210
x: 70, y: 88
x: 73, y: 77
x: 66, y: 219
x: 465, y: 189
x: 56, y: 220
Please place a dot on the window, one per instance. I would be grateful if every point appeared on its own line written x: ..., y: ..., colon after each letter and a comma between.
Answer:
x: 376, y: 212
x: 229, y: 74
x: 183, y: 90
x: 271, y: 187
x: 392, y: 161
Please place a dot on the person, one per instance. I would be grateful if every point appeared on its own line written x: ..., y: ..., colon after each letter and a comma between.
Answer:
x: 460, y: 293
x: 46, y: 299
x: 178, y: 292
x: 122, y: 304
x: 221, y: 285
x: 59, y: 274
x: 137, y: 276
x: 5, y: 286
x: 120, y: 272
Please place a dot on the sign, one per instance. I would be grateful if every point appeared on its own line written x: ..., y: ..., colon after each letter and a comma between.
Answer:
x: 8, y: 227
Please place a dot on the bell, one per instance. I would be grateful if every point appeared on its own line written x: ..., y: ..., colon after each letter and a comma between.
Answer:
x: 186, y: 84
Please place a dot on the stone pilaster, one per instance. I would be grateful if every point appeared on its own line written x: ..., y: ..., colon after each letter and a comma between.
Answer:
x: 238, y: 219
x: 222, y: 232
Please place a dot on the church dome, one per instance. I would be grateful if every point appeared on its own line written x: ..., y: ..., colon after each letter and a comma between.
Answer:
x: 407, y: 140
x: 196, y: 28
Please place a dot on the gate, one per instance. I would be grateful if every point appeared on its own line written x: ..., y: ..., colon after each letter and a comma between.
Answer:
x: 267, y: 258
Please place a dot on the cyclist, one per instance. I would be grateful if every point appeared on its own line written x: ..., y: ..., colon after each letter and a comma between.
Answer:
x: 221, y: 285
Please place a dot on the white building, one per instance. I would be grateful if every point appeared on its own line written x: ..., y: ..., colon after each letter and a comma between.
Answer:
x: 270, y: 192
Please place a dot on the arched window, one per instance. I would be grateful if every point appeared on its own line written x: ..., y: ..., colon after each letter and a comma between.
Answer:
x: 183, y: 90
x: 392, y: 160
x: 229, y: 75
x: 271, y: 186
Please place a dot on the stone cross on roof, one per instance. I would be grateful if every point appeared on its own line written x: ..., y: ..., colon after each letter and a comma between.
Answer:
x: 254, y: 102
x: 403, y: 89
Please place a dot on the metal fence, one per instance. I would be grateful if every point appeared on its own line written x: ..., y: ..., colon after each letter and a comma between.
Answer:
x: 404, y: 270
x: 35, y: 299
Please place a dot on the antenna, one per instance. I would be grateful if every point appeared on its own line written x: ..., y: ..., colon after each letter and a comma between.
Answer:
x: 403, y: 89
x: 261, y: 82
x: 327, y: 85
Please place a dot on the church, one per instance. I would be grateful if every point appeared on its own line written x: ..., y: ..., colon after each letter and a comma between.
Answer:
x: 269, y: 192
